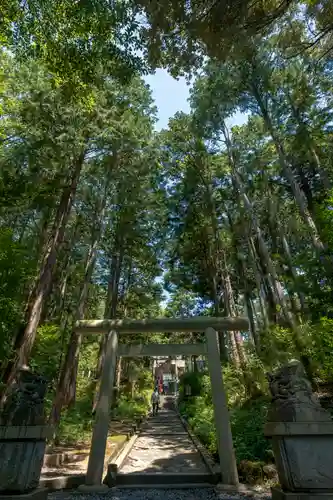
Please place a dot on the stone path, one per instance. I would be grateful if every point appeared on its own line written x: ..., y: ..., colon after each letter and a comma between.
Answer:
x: 164, y: 446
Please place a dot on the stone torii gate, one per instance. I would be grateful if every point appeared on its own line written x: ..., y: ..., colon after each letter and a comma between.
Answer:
x: 209, y: 325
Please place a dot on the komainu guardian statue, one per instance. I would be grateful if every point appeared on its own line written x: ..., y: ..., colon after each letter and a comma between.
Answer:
x: 302, y: 437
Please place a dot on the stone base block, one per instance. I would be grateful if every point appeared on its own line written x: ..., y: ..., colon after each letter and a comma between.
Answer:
x: 37, y: 494
x: 231, y: 488
x: 278, y: 494
x: 111, y: 476
x: 54, y: 460
x: 93, y: 488
x: 62, y: 482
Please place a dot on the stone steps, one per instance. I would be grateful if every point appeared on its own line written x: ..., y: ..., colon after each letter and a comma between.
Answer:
x: 180, y: 486
x: 165, y: 478
x: 164, y: 456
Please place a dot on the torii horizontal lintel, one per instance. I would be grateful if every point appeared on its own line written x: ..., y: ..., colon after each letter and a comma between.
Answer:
x: 171, y: 325
x: 133, y: 350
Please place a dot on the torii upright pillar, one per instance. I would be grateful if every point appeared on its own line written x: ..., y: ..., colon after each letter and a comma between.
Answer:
x: 229, y: 474
x: 94, y: 475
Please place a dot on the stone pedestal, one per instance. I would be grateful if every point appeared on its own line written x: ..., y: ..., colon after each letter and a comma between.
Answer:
x: 21, y: 457
x: 302, y: 437
x: 304, y: 454
x: 278, y: 494
x: 23, y: 435
x: 38, y: 494
x: 111, y: 476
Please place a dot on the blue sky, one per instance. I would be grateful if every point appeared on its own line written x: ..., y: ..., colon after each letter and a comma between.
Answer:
x: 171, y: 96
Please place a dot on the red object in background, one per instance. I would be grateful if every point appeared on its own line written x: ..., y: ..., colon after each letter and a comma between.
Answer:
x: 160, y: 383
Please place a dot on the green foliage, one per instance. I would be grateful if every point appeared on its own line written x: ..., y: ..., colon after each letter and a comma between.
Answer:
x: 278, y: 347
x: 132, y: 408
x: 196, y: 381
x: 247, y: 417
x: 76, y: 423
x: 325, y: 216
x: 180, y: 34
x: 15, y: 270
x: 197, y: 408
x: 46, y: 355
x: 247, y: 423
x: 200, y: 416
x: 320, y: 348
x: 78, y: 42
x: 144, y: 380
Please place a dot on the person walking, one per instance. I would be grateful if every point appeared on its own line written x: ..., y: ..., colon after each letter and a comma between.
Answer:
x: 155, y: 400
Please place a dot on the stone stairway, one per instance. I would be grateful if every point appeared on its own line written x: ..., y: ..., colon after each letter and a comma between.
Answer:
x: 164, y: 455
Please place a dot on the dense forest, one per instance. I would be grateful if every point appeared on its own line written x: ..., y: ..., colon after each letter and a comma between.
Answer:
x: 100, y: 214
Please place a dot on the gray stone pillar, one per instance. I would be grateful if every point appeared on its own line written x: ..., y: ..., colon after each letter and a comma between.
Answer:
x: 100, y: 432
x: 228, y: 466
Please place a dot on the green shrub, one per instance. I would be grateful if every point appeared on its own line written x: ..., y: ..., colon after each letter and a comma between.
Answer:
x: 251, y: 472
x: 195, y: 380
x: 247, y: 425
x: 131, y: 408
x: 197, y: 408
x: 76, y: 423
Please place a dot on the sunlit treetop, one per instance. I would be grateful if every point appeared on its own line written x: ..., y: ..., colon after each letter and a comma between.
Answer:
x: 76, y: 40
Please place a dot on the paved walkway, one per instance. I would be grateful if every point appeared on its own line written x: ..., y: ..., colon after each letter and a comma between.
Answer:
x: 163, y: 446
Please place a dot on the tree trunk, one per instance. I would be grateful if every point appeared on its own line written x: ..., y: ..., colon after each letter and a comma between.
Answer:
x: 297, y: 192
x: 110, y: 308
x: 40, y: 251
x: 292, y: 271
x: 237, y: 341
x: 25, y: 342
x: 250, y: 315
x: 258, y: 280
x: 221, y: 335
x: 118, y: 372
x: 66, y: 389
x: 319, y: 168
x: 309, y: 143
x: 60, y: 279
x: 261, y: 242
x: 213, y: 258
x: 240, y: 267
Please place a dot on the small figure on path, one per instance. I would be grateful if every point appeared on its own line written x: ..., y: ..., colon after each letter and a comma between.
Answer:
x: 155, y: 400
